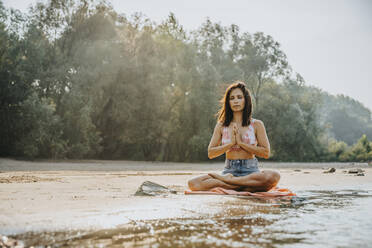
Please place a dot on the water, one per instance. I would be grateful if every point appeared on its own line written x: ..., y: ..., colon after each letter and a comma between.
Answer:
x: 322, y: 218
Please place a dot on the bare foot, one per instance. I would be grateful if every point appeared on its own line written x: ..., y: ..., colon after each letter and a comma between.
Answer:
x: 222, y: 178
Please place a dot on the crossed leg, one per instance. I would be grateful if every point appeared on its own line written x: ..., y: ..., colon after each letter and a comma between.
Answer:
x: 207, y: 182
x: 260, y: 181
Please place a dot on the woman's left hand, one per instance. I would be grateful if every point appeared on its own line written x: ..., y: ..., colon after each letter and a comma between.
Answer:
x: 238, y: 136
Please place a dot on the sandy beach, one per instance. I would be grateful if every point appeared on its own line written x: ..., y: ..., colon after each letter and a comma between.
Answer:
x: 52, y: 196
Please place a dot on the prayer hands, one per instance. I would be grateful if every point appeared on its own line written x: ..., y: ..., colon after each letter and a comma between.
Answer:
x: 235, y: 139
x: 238, y: 137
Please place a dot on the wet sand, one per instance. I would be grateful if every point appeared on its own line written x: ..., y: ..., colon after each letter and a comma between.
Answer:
x: 53, y: 196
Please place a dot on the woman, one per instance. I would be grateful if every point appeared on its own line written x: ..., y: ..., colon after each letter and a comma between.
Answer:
x: 242, y: 138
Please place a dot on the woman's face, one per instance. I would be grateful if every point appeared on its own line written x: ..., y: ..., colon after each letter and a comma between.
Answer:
x: 236, y: 100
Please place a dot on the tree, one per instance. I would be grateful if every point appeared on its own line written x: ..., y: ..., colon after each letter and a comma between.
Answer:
x: 291, y: 120
x: 41, y: 129
x: 362, y: 150
x: 261, y: 60
x: 346, y: 118
x: 14, y: 88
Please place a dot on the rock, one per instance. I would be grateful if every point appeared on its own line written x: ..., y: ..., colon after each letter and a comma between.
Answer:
x: 148, y: 188
x: 355, y: 171
x: 297, y: 199
x: 297, y: 170
x: 330, y: 170
x: 306, y: 172
x: 9, y: 242
x: 360, y: 174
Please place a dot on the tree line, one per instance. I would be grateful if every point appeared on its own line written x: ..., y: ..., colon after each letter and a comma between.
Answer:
x: 79, y: 80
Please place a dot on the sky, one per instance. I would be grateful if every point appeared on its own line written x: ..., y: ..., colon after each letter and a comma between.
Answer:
x: 329, y: 42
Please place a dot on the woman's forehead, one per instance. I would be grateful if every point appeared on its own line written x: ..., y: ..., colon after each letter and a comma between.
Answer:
x: 236, y: 91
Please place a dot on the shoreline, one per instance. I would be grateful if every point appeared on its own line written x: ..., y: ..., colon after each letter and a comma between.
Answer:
x: 7, y: 164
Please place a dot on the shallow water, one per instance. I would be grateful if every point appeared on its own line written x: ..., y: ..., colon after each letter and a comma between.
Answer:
x: 319, y: 218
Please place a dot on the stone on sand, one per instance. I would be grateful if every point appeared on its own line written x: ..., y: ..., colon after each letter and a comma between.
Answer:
x: 149, y: 188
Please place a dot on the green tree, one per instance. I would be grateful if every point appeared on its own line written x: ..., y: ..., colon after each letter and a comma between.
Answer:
x: 291, y: 121
x: 337, y: 150
x: 14, y: 88
x: 261, y: 60
x: 346, y: 118
x: 362, y: 150
x: 41, y: 129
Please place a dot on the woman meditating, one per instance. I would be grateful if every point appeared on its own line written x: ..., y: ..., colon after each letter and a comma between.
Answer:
x: 242, y: 138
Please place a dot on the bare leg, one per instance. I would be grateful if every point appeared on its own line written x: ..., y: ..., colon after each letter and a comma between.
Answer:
x: 207, y: 182
x: 261, y: 181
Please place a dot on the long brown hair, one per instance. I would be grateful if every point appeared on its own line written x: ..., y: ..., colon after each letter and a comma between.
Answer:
x: 225, y: 114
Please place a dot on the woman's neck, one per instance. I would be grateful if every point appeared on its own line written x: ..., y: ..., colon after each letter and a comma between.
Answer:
x: 237, y: 117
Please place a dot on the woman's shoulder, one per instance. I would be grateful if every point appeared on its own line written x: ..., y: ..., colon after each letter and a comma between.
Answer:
x: 257, y: 123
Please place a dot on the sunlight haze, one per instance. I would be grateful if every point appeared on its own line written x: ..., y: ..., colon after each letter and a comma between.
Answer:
x: 327, y: 42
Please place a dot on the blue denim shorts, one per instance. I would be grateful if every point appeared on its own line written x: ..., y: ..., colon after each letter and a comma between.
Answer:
x: 241, y: 167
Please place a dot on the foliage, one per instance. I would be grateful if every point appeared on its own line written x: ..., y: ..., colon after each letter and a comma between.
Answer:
x: 360, y: 151
x: 346, y: 119
x: 41, y: 128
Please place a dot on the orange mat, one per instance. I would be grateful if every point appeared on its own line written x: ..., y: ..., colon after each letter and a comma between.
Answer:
x: 274, y: 192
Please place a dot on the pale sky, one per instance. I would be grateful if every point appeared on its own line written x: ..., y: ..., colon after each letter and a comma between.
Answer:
x: 329, y: 42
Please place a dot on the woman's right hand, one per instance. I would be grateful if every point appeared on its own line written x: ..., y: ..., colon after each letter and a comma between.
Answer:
x: 234, y: 133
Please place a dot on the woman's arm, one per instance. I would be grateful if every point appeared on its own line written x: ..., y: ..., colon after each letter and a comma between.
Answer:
x: 263, y: 146
x: 214, y: 149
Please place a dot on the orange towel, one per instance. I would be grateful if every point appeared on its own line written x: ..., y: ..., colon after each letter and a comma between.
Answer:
x: 274, y: 192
